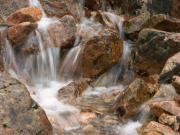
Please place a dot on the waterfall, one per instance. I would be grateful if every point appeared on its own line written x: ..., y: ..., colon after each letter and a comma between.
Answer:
x: 39, y: 70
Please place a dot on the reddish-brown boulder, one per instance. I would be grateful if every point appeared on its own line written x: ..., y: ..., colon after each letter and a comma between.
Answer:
x: 20, y: 114
x: 160, y: 107
x: 17, y: 34
x: 31, y: 14
x: 100, y: 53
x: 129, y: 101
x: 63, y: 33
x: 154, y: 128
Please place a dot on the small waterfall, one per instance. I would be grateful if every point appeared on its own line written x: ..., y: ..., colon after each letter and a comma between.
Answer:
x: 41, y: 70
x: 121, y: 72
x: 87, y: 29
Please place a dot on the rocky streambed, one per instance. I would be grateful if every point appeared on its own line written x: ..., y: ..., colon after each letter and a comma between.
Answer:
x: 95, y: 67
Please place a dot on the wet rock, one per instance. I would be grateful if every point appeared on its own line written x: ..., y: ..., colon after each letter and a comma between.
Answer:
x: 129, y: 101
x: 154, y: 128
x: 104, y: 19
x: 8, y: 7
x: 63, y: 33
x: 169, y: 120
x: 17, y: 34
x: 156, y: 47
x: 160, y: 107
x: 55, y: 8
x: 20, y: 114
x: 99, y: 53
x: 176, y: 83
x: 171, y: 68
x: 31, y: 14
x: 73, y: 90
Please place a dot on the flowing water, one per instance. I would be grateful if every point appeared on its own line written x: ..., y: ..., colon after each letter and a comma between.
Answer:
x: 39, y: 73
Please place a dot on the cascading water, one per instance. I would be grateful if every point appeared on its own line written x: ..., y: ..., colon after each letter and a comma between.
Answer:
x: 41, y: 70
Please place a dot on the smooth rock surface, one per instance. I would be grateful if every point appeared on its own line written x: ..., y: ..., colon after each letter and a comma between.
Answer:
x: 19, y: 114
x: 18, y: 34
x: 30, y: 14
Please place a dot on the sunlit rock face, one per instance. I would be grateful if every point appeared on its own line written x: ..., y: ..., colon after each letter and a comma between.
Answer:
x: 156, y: 128
x: 17, y: 34
x: 20, y: 114
x: 8, y: 7
x: 30, y: 14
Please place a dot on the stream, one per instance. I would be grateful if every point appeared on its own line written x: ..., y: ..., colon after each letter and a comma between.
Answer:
x: 89, y: 114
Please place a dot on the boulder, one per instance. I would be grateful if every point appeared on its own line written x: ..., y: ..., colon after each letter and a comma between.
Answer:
x: 18, y: 34
x: 171, y: 68
x: 55, y: 8
x: 154, y: 47
x: 129, y: 101
x: 169, y: 120
x: 8, y: 7
x: 168, y: 107
x: 176, y: 83
x: 63, y: 33
x: 19, y: 113
x: 99, y: 53
x: 163, y: 22
x: 30, y: 14
x: 155, y: 128
x: 134, y: 25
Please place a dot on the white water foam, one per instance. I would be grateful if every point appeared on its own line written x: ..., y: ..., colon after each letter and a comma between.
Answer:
x: 129, y: 128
